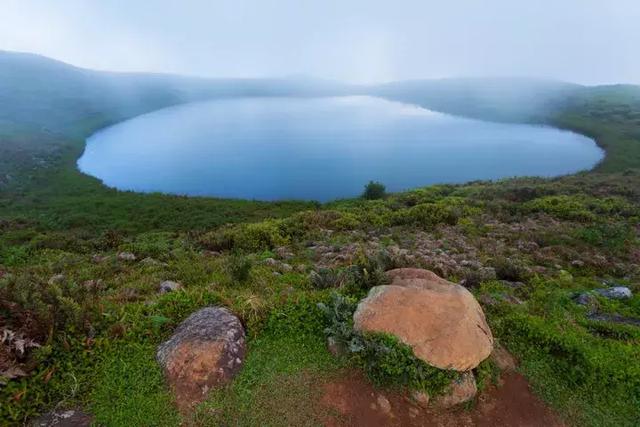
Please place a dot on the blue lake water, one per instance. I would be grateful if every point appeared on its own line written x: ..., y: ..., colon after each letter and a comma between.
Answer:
x: 319, y: 149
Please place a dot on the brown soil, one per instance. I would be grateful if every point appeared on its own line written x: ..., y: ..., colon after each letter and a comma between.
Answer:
x: 353, y: 401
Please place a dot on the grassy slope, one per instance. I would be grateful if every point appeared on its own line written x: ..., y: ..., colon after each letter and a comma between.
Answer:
x: 53, y: 219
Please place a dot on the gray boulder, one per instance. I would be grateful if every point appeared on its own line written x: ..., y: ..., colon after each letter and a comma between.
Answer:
x: 616, y: 292
x: 206, y: 351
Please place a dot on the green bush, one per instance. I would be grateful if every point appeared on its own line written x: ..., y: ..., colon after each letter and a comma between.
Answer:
x: 252, y: 237
x: 239, y: 268
x: 385, y: 360
x: 374, y: 190
x: 563, y: 207
x: 427, y: 215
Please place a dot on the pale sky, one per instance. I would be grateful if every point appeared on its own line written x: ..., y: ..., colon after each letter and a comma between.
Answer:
x: 584, y: 41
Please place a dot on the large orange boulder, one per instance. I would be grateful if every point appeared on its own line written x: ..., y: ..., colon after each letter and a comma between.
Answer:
x: 441, y: 321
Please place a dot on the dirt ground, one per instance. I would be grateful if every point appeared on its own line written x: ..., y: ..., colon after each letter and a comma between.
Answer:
x: 352, y: 401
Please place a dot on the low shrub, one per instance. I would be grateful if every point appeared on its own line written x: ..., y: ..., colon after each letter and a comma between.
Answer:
x: 374, y: 190
x: 239, y: 268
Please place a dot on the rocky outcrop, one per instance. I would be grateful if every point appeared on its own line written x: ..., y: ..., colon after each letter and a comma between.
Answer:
x: 206, y: 351
x: 441, y: 321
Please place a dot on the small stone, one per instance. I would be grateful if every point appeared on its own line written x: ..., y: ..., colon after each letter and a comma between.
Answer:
x: 211, y: 254
x: 585, y: 298
x: 68, y: 418
x: 151, y: 262
x: 617, y: 292
x: 126, y: 256
x: 286, y: 268
x: 283, y: 252
x: 271, y: 262
x: 57, y: 279
x: 421, y: 398
x: 169, y: 286
x: 93, y: 285
x: 413, y: 412
x: 98, y: 259
x: 577, y: 263
x: 384, y: 404
x: 300, y: 268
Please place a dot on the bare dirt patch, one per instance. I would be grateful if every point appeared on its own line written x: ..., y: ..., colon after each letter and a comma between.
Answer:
x: 352, y: 401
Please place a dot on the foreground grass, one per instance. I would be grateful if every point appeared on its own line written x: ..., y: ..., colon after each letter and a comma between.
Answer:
x: 546, y: 240
x: 100, y: 322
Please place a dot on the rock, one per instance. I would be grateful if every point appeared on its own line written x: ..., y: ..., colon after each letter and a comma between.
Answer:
x: 420, y: 398
x: 503, y: 359
x: 98, y: 259
x: 300, y: 268
x: 441, y: 321
x: 614, y: 318
x: 577, y: 263
x: 126, y: 256
x: 413, y: 412
x: 283, y: 252
x: 616, y: 292
x: 148, y: 261
x: 169, y: 286
x: 384, y: 404
x: 59, y: 418
x: 56, y: 279
x: 271, y: 262
x: 206, y: 351
x: 459, y: 391
x: 285, y: 268
x: 211, y: 254
x: 585, y: 298
x: 93, y: 285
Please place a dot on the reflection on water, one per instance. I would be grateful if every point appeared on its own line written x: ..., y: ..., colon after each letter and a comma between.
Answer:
x: 319, y: 148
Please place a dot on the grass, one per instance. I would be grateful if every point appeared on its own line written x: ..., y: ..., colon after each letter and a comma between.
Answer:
x: 100, y: 323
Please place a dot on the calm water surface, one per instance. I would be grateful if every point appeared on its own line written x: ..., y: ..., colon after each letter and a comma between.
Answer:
x: 319, y: 148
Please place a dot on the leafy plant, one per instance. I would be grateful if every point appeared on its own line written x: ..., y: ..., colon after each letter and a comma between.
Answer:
x: 386, y: 360
x: 374, y: 190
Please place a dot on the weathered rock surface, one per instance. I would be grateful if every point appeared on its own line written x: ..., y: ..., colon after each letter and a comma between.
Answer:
x: 441, y: 321
x: 503, y: 359
x: 460, y: 391
x: 126, y: 256
x: 68, y: 418
x: 169, y: 286
x: 206, y: 351
x: 616, y: 292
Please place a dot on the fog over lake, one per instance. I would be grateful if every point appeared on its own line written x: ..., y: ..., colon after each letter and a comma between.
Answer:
x: 319, y: 149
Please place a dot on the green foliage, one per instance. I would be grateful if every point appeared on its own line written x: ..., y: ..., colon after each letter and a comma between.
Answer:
x: 564, y: 207
x: 570, y: 363
x: 615, y: 236
x: 327, y: 278
x: 130, y: 389
x: 374, y: 190
x: 510, y: 269
x: 239, y: 268
x: 427, y: 215
x: 386, y: 360
x: 248, y: 237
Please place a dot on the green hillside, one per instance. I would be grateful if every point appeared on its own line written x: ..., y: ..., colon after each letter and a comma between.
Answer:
x: 80, y: 264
